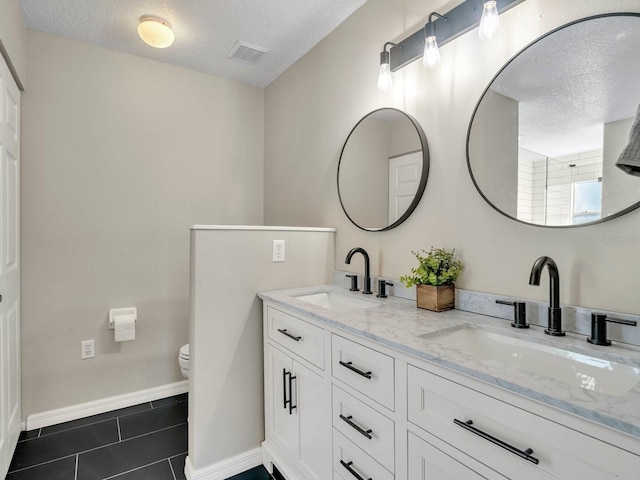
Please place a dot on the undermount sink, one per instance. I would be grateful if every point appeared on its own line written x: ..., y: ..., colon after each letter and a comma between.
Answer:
x: 576, y: 369
x: 338, y: 302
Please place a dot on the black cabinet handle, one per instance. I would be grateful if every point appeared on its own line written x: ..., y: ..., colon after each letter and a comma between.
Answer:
x: 352, y: 471
x: 366, y: 433
x: 288, y: 401
x: 526, y: 454
x: 350, y: 366
x: 294, y: 337
x: 284, y: 387
x: 291, y: 405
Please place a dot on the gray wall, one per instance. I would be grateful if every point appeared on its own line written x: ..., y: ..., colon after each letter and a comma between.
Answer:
x: 313, y: 106
x: 228, y: 267
x: 120, y: 156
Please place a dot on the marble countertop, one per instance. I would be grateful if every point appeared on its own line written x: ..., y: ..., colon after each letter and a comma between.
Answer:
x: 397, y: 323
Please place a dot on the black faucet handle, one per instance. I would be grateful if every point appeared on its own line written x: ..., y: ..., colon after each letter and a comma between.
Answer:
x: 519, y: 313
x: 599, y: 328
x: 382, y: 288
x: 354, y: 283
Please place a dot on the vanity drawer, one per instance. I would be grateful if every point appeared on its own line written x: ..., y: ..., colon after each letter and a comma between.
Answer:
x: 349, y: 461
x: 368, y: 371
x: 364, y: 426
x: 296, y: 335
x: 434, y: 403
x: 426, y: 462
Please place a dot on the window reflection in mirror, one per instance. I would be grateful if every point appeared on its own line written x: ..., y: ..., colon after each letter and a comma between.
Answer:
x: 548, y: 130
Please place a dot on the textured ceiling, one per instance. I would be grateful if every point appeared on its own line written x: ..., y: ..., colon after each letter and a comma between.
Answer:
x: 572, y: 82
x: 205, y: 29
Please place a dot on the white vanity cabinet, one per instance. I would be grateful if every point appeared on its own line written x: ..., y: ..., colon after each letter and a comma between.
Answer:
x: 297, y: 399
x: 344, y: 407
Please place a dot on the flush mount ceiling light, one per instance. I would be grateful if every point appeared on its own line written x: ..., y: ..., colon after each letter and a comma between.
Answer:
x: 458, y: 21
x: 155, y: 31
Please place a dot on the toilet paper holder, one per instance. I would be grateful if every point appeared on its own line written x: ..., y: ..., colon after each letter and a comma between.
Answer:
x: 116, y: 312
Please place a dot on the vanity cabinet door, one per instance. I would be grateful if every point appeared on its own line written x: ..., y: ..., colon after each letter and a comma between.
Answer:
x: 298, y: 418
x: 313, y: 395
x: 282, y: 424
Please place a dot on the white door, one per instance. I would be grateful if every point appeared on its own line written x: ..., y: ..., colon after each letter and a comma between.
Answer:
x: 9, y: 266
x: 404, y: 177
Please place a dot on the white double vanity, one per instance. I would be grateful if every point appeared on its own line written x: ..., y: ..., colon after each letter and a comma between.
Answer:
x: 363, y: 388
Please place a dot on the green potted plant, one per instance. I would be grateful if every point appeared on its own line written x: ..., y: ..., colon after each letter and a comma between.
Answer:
x: 437, y: 270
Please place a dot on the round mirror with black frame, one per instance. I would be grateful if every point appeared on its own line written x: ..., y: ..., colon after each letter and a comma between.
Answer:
x: 545, y: 136
x: 383, y: 169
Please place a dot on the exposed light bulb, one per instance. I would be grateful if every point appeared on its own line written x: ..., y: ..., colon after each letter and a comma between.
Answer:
x: 384, y: 77
x: 490, y: 21
x: 431, y: 57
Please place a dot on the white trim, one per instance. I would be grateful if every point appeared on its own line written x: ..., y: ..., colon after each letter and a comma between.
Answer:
x: 262, y: 228
x: 225, y: 469
x: 81, y: 410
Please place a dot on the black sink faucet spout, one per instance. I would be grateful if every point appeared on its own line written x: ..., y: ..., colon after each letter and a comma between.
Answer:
x: 555, y: 312
x: 367, y: 279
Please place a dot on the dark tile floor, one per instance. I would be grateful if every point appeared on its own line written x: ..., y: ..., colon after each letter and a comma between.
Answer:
x: 143, y: 442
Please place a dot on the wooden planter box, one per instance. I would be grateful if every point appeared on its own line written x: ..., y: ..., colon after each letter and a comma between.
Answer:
x: 437, y: 299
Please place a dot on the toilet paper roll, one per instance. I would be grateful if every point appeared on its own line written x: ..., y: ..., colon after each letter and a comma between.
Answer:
x: 125, y: 328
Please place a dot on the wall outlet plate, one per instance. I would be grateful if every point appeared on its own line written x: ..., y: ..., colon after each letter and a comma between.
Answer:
x: 88, y: 349
x: 278, y: 251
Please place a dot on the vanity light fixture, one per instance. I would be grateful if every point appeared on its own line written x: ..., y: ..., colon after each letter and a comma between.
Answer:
x: 431, y: 55
x: 155, y: 31
x: 490, y: 21
x: 384, y: 76
x: 449, y: 26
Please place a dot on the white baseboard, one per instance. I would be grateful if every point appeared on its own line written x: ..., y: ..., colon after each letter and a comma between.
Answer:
x: 74, y: 412
x: 225, y: 469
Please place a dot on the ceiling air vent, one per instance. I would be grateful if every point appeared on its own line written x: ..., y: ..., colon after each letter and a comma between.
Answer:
x: 246, y: 53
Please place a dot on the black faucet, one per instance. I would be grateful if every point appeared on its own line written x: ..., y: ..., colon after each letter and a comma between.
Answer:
x: 555, y: 312
x: 367, y: 278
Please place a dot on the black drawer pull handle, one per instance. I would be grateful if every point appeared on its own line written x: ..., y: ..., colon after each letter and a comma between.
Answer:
x: 526, y: 454
x: 366, y: 433
x: 350, y: 366
x: 284, y: 332
x: 352, y: 471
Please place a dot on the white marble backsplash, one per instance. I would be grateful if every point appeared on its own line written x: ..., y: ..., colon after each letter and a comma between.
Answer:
x: 574, y: 319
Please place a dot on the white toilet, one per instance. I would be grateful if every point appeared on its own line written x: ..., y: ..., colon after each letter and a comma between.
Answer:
x: 183, y: 360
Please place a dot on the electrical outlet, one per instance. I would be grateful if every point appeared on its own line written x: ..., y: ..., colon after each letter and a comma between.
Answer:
x: 88, y: 349
x: 278, y: 251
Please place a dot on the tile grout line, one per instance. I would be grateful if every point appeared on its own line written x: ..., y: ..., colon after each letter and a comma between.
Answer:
x: 43, y: 463
x: 119, y: 434
x: 76, y: 475
x: 172, y: 471
x: 134, y: 469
